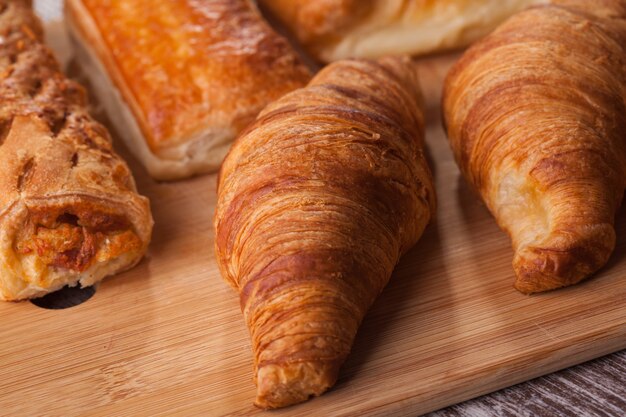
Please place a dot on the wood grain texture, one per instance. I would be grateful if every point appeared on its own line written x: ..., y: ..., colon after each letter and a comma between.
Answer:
x: 167, y: 337
x: 596, y: 388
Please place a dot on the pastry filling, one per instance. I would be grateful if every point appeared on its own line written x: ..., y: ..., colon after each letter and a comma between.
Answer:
x: 74, y: 239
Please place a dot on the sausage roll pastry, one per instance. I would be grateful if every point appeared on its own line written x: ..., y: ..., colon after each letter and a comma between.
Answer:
x: 180, y: 78
x: 69, y: 210
x: 338, y: 29
x: 536, y: 115
x: 317, y: 201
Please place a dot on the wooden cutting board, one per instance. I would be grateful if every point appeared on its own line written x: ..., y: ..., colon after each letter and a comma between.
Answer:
x: 168, y: 337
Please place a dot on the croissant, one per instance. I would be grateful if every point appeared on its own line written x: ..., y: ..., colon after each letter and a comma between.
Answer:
x: 317, y: 201
x: 181, y: 78
x: 536, y: 115
x: 69, y: 210
x: 337, y: 29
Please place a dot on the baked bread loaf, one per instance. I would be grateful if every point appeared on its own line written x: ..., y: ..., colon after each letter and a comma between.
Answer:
x: 180, y: 78
x: 338, y: 29
x: 69, y: 210
x: 317, y: 201
x: 536, y: 115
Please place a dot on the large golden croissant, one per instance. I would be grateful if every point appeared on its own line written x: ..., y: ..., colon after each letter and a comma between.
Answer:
x: 317, y: 201
x: 536, y: 116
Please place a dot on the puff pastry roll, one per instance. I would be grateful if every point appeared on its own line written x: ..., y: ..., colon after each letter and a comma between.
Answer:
x: 317, y: 201
x: 536, y: 115
x: 69, y: 210
x: 337, y: 29
x: 180, y: 78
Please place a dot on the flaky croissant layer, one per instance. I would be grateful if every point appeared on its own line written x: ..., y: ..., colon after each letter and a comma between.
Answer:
x: 317, y: 201
x: 536, y: 115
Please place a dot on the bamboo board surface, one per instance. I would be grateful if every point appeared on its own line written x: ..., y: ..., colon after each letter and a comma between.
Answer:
x: 168, y: 337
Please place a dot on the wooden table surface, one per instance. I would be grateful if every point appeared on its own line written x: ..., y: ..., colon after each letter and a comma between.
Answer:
x: 594, y: 388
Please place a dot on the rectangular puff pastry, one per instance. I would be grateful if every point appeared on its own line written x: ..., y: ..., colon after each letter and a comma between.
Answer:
x: 180, y: 78
x: 337, y: 29
x: 69, y: 210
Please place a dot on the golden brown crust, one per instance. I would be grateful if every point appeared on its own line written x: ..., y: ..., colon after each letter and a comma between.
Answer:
x: 317, y: 201
x: 339, y: 29
x: 189, y: 71
x: 536, y: 115
x: 319, y: 21
x: 67, y: 201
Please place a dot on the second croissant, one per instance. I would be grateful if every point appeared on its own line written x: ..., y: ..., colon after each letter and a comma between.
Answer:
x: 536, y: 117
